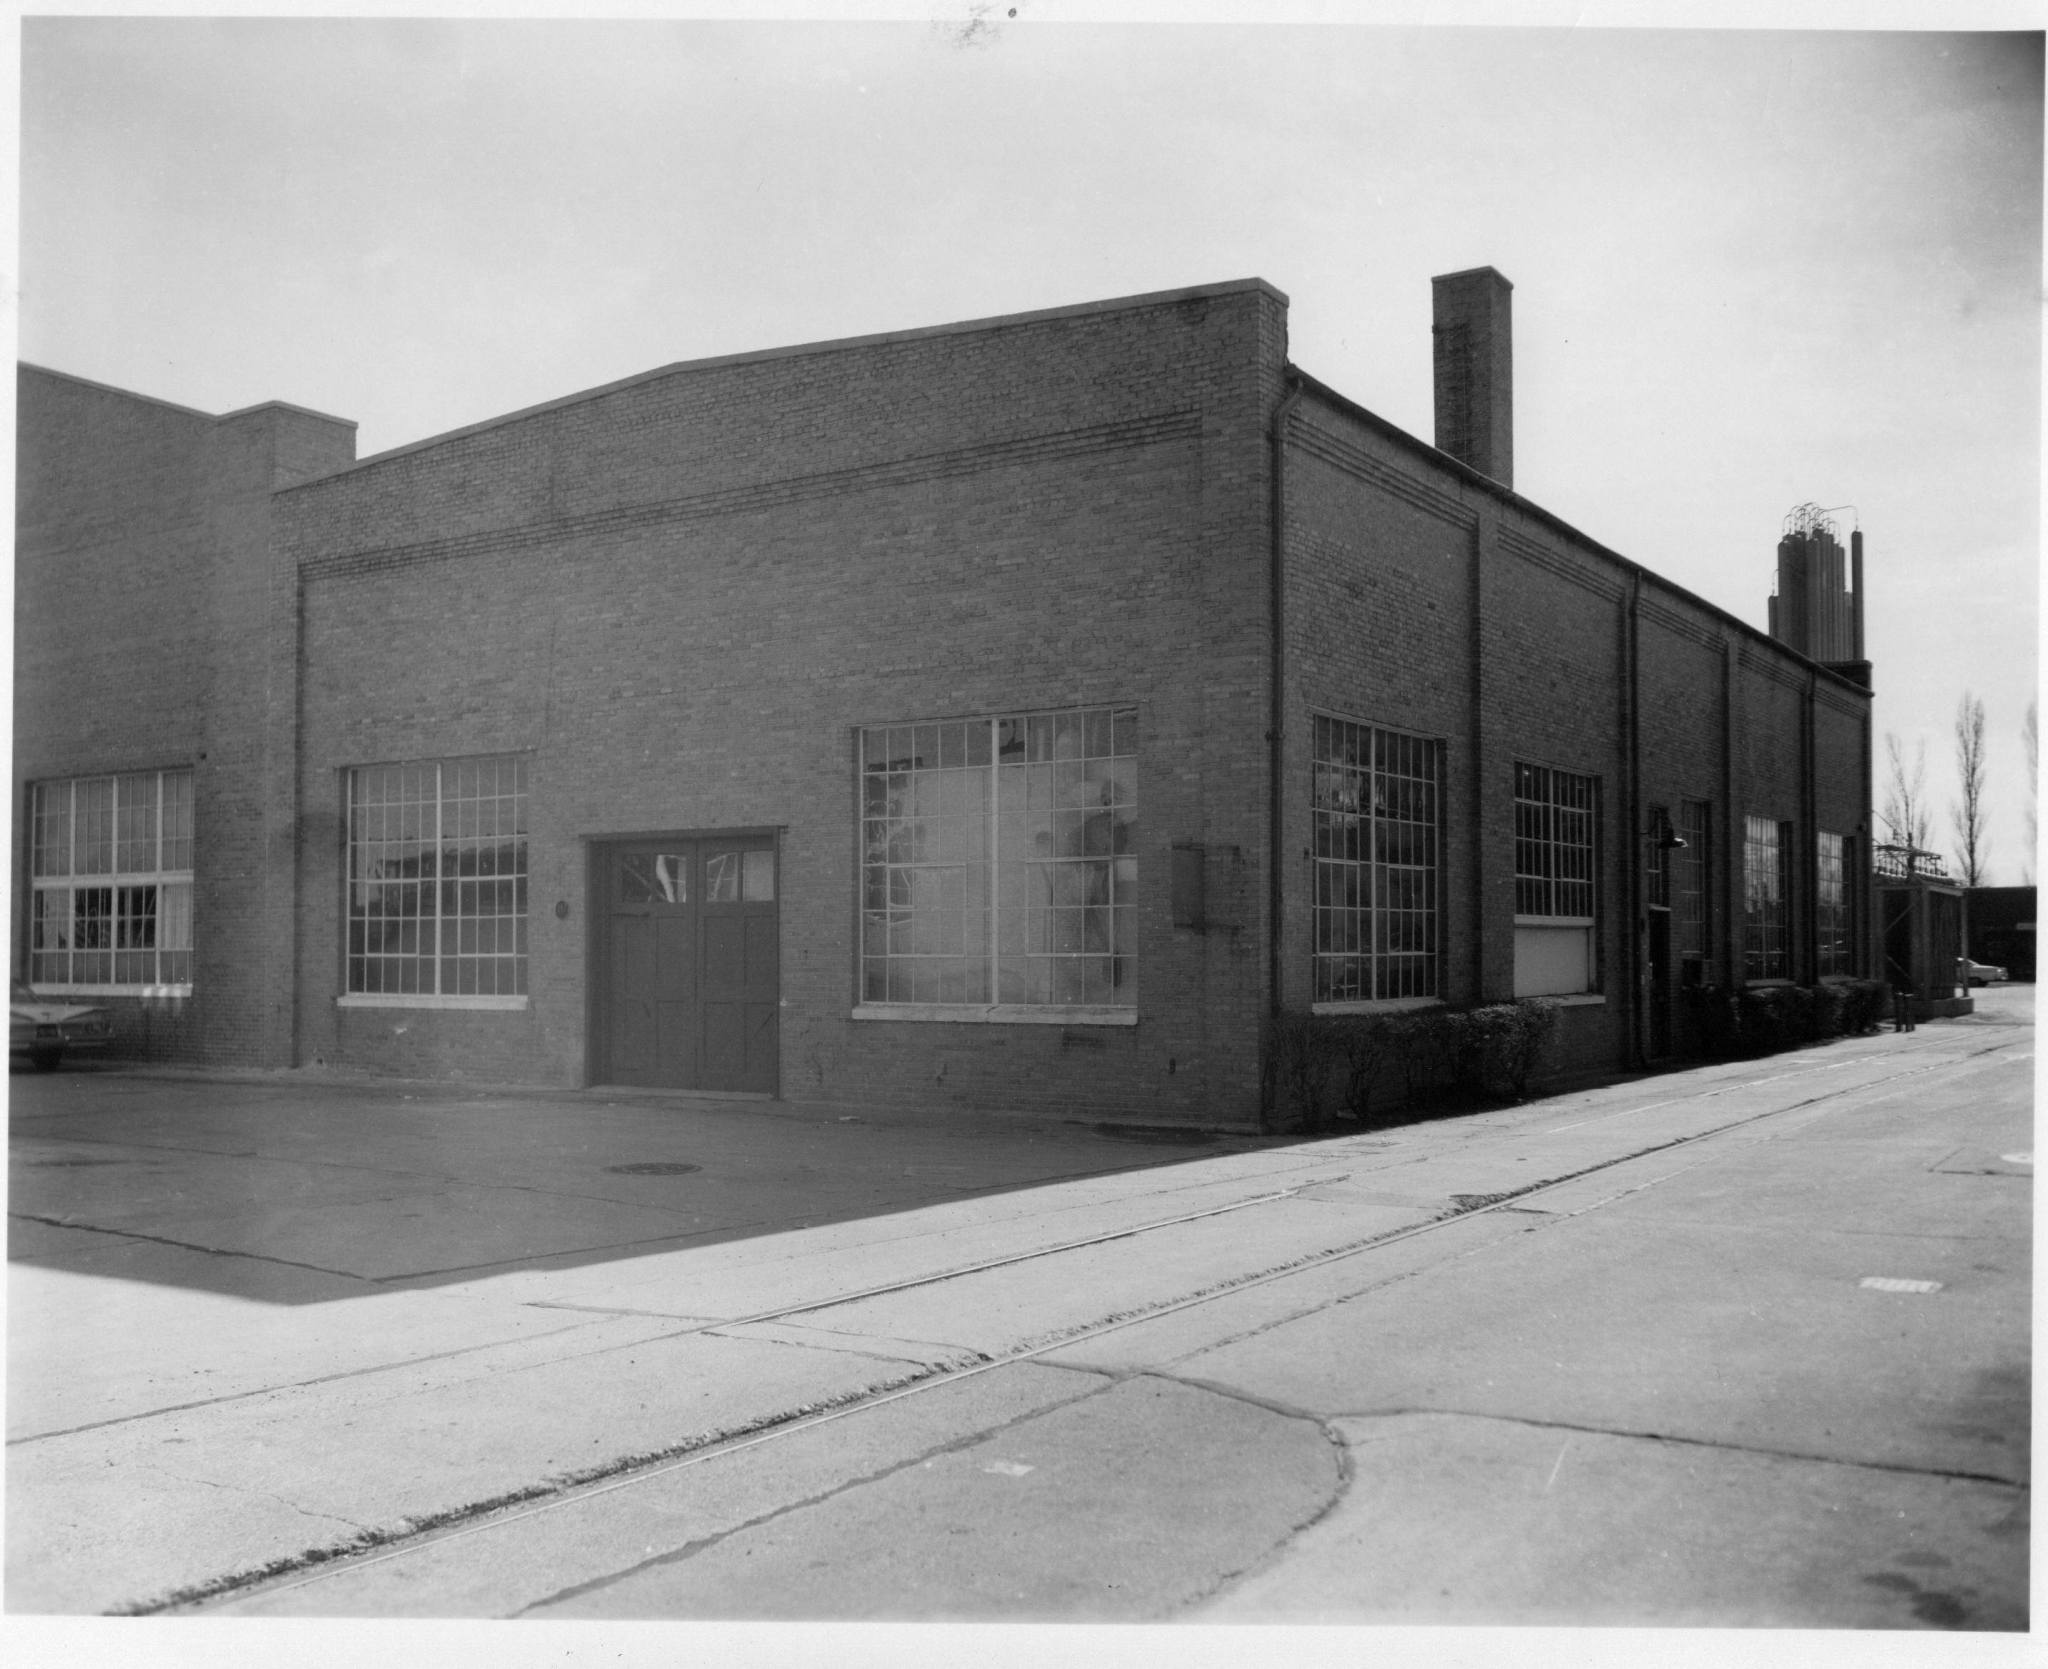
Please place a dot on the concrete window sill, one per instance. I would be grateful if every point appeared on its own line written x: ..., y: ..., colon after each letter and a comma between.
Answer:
x: 396, y: 999
x: 996, y: 1014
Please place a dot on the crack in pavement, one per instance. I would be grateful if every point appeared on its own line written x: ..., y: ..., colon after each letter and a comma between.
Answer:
x: 260, y: 1495
x: 302, y: 1384
x: 1678, y: 1440
x: 824, y: 1341
x: 768, y: 1427
x: 553, y: 1491
x: 1347, y: 1476
x: 183, y: 1245
x: 690, y: 1550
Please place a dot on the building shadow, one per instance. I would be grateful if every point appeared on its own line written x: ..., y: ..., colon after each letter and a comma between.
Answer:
x: 284, y: 1190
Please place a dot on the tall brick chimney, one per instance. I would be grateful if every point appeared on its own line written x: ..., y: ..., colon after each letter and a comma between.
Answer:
x: 1475, y: 374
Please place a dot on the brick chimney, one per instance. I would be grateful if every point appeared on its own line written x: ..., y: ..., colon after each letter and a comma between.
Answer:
x: 1475, y: 376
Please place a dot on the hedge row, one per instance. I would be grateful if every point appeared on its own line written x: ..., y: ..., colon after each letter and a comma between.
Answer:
x: 1758, y: 1020
x: 1323, y: 1067
x: 1420, y: 1057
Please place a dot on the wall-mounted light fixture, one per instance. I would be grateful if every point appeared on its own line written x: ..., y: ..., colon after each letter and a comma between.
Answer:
x: 1661, y: 834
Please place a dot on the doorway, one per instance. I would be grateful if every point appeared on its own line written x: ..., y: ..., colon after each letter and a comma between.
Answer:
x: 688, y: 979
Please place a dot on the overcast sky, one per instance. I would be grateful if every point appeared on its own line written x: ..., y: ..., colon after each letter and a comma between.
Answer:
x: 1751, y: 268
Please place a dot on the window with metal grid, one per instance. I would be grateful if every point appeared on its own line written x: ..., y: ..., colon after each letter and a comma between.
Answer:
x: 1831, y: 905
x: 1554, y: 823
x: 437, y: 878
x: 999, y: 860
x: 110, y: 868
x: 1556, y: 834
x: 1766, y: 898
x: 1692, y: 905
x: 1376, y: 799
x: 1657, y: 861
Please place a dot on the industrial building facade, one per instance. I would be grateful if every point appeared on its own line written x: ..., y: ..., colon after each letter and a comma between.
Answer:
x: 1011, y: 715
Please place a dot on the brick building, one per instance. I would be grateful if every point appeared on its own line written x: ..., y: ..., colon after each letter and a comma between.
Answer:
x: 1003, y: 715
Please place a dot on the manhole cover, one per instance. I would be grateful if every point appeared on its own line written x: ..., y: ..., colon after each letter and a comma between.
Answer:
x: 654, y: 1167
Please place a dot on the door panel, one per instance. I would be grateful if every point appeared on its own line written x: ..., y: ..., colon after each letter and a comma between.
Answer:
x: 690, y: 986
x: 1659, y: 1042
x: 742, y: 983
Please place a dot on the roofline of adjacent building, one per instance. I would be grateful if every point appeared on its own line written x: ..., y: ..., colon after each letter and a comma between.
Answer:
x: 172, y: 405
x: 1471, y: 477
x: 842, y: 344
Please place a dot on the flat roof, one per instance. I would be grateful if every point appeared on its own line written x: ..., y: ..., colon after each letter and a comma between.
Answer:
x: 188, y: 411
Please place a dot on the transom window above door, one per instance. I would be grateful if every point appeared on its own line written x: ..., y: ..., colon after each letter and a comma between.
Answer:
x: 654, y: 878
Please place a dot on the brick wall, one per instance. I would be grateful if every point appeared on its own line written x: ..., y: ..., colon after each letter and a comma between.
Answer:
x: 1425, y: 600
x: 683, y: 596
x: 148, y: 610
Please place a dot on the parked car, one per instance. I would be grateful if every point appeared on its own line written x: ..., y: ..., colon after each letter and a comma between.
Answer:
x: 43, y: 1029
x: 1977, y: 973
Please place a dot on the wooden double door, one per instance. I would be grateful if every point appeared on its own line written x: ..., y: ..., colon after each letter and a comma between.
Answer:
x: 689, y: 976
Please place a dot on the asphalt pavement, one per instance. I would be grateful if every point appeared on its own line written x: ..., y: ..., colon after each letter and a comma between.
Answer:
x: 1740, y: 1346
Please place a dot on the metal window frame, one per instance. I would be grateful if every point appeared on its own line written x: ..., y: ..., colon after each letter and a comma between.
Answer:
x: 1551, y: 837
x: 1766, y: 922
x: 1381, y: 959
x: 1831, y: 904
x: 113, y: 880
x: 1693, y: 896
x: 1122, y: 998
x: 444, y: 923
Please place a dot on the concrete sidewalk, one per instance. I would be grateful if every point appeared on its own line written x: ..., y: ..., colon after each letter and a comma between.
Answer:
x: 258, y: 1321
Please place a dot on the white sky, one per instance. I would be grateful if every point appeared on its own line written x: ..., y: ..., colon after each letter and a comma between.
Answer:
x: 1751, y: 269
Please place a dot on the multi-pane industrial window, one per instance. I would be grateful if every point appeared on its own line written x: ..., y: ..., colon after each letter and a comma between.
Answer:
x: 1692, y: 909
x: 999, y: 860
x: 1657, y: 863
x: 1766, y: 897
x: 437, y: 878
x: 1831, y: 905
x: 1377, y: 798
x: 110, y: 870
x: 1556, y: 835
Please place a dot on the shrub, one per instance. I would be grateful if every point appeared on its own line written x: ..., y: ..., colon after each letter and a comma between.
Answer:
x: 1830, y: 1002
x: 1866, y: 1005
x: 1517, y: 1035
x: 1431, y: 1042
x: 1761, y: 1019
x: 1364, y: 1046
x: 1445, y: 1056
x: 1300, y: 1052
x: 1712, y: 1020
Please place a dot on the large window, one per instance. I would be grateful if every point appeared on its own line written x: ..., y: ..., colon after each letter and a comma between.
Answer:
x: 110, y: 872
x: 1692, y: 902
x: 1378, y: 841
x: 1831, y: 904
x: 1557, y: 816
x: 437, y: 878
x: 999, y: 861
x: 1766, y: 899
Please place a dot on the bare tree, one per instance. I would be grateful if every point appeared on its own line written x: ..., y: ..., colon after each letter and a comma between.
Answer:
x: 1905, y: 795
x: 1966, y: 815
x: 2030, y: 733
